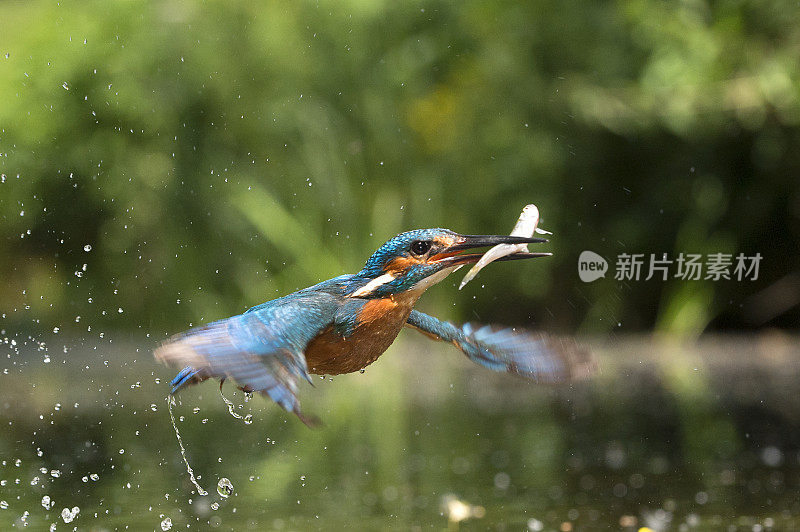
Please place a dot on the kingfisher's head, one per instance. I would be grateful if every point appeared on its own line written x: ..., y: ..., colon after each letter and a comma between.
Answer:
x: 417, y: 259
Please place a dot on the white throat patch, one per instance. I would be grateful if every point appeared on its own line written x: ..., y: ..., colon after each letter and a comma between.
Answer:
x: 372, y: 285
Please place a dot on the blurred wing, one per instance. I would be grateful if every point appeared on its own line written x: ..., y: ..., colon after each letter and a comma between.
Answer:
x: 539, y: 357
x: 262, y: 350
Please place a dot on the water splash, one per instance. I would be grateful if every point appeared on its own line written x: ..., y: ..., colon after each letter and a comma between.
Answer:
x: 248, y: 419
x: 200, y: 490
x: 224, y: 487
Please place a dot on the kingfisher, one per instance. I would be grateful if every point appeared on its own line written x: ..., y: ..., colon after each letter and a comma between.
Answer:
x: 344, y: 324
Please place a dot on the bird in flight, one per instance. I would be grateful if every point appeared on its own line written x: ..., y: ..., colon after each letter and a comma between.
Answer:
x: 344, y: 324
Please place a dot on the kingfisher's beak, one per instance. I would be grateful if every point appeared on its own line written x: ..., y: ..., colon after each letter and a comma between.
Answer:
x: 450, y: 255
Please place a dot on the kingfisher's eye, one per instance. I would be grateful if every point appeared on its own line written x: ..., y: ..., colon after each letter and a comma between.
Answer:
x: 420, y: 247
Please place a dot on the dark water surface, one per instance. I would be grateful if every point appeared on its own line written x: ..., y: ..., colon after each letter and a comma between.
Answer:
x: 670, y: 437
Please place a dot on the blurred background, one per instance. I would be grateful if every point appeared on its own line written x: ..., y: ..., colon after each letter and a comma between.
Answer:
x: 210, y: 156
x: 169, y: 163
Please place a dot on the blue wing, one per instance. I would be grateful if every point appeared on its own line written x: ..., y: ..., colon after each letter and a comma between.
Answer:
x: 539, y: 357
x: 262, y: 349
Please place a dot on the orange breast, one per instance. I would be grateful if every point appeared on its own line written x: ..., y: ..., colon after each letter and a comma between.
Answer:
x: 380, y: 321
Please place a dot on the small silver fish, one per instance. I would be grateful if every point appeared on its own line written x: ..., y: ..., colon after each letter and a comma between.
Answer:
x: 526, y: 226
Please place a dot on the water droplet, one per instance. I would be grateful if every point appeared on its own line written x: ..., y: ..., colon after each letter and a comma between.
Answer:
x: 68, y: 515
x: 3, y: 505
x: 166, y: 524
x: 248, y: 419
x: 87, y: 248
x: 66, y: 87
x: 224, y: 487
x: 215, y: 506
x: 47, y: 502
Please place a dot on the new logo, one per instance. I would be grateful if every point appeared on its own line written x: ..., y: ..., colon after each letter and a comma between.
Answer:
x: 591, y: 266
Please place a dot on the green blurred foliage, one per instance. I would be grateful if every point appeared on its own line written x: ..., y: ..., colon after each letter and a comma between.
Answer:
x: 218, y: 154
